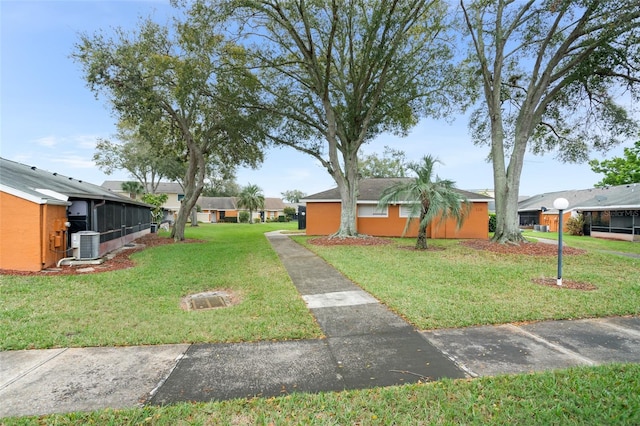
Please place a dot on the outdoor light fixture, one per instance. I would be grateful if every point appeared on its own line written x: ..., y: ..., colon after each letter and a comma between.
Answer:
x: 560, y: 204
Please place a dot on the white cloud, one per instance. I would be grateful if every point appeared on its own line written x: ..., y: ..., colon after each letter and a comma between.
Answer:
x: 48, y: 141
x: 74, y: 162
x: 86, y: 141
x: 80, y: 141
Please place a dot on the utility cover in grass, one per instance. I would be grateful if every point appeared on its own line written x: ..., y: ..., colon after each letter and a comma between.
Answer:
x: 208, y: 300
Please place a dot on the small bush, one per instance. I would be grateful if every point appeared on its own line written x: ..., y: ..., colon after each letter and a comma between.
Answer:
x: 243, y: 217
x: 289, y: 212
x: 282, y: 218
x: 492, y: 222
x: 230, y: 219
x: 575, y: 225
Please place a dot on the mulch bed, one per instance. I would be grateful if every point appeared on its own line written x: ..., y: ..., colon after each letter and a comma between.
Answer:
x: 530, y: 249
x: 566, y: 284
x: 119, y: 259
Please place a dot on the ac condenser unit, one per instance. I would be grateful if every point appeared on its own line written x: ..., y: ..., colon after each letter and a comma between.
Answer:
x: 85, y: 245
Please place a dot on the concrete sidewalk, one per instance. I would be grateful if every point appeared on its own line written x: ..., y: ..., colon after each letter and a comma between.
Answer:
x: 366, y: 345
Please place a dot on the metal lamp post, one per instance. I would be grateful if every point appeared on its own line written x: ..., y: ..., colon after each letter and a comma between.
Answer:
x: 560, y: 204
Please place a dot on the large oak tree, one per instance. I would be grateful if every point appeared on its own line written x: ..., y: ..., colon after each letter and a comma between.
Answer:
x: 180, y: 82
x: 336, y: 74
x: 551, y: 74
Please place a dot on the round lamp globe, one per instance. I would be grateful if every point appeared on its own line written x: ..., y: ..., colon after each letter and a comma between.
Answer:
x: 560, y: 203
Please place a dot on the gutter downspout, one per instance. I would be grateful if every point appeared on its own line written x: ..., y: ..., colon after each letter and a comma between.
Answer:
x: 42, y: 243
x: 94, y: 214
x: 94, y: 219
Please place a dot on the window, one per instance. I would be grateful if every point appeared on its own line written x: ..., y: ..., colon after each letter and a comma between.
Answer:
x: 529, y: 218
x: 405, y: 211
x: 600, y: 219
x: 615, y: 221
x: 372, y: 210
x: 180, y: 197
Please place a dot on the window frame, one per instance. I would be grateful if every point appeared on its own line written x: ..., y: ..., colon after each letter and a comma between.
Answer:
x: 404, y: 210
x: 383, y: 211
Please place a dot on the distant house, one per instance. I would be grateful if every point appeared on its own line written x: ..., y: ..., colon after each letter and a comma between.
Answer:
x: 273, y: 207
x: 217, y: 209
x: 43, y: 213
x: 225, y: 209
x: 212, y: 209
x: 323, y: 214
x: 174, y: 191
x: 611, y: 212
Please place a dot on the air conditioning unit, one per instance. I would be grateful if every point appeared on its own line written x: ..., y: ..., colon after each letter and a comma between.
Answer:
x: 85, y: 245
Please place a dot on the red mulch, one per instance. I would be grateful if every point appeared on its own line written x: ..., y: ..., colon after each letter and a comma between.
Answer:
x: 530, y: 249
x: 572, y: 285
x: 120, y: 260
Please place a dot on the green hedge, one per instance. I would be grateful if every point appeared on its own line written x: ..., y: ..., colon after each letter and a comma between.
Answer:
x: 243, y: 217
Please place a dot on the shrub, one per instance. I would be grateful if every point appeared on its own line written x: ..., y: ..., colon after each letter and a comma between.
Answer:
x: 492, y: 222
x: 243, y: 216
x: 282, y: 218
x: 156, y: 200
x: 290, y: 212
x: 575, y: 225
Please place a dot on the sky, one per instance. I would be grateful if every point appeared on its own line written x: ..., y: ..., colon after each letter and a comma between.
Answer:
x: 51, y: 120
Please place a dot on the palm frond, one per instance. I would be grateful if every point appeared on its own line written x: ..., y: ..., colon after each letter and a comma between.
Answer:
x: 429, y: 196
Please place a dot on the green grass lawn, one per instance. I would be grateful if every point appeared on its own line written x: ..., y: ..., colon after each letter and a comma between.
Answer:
x: 450, y: 287
x: 454, y: 286
x: 141, y: 305
x: 457, y: 286
x: 604, y: 395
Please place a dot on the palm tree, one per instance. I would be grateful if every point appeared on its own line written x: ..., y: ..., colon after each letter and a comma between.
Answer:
x: 133, y: 188
x: 430, y: 198
x: 251, y: 198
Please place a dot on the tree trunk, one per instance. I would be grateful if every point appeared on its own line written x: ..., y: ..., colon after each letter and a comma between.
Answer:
x: 177, y: 232
x: 188, y: 204
x: 421, y: 242
x: 348, y: 213
x: 348, y: 187
x: 507, y: 184
x: 507, y: 225
x: 193, y: 186
x: 194, y: 216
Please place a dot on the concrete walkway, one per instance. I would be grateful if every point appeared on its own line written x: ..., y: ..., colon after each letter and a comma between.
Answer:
x: 366, y: 345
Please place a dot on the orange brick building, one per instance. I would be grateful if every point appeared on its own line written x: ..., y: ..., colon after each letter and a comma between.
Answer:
x: 323, y: 214
x: 40, y: 210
